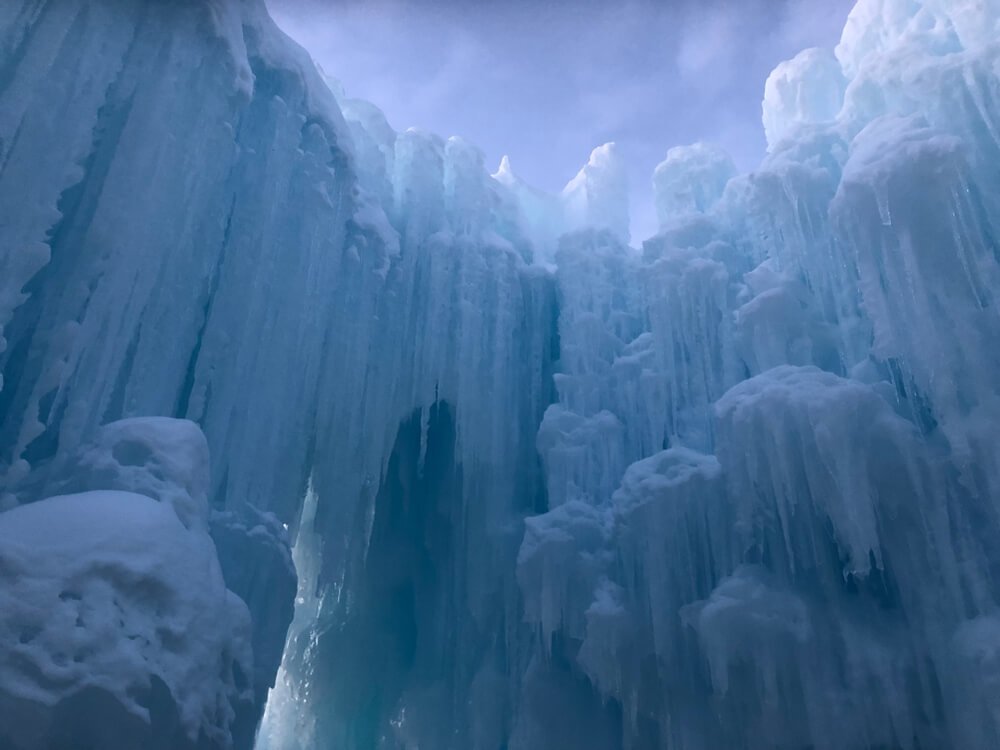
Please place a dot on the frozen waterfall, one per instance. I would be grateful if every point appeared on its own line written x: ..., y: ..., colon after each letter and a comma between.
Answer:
x: 318, y: 435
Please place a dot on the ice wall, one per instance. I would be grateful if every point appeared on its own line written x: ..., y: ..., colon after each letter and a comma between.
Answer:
x: 333, y: 303
x: 806, y: 560
x: 176, y: 196
x: 539, y: 489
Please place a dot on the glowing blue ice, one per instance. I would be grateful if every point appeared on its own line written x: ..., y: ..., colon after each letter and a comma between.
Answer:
x: 739, y: 487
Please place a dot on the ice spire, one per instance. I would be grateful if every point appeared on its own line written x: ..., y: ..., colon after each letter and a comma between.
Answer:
x: 504, y: 174
x: 597, y: 198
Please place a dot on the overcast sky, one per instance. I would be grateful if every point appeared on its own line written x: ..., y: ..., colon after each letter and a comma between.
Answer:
x: 547, y: 81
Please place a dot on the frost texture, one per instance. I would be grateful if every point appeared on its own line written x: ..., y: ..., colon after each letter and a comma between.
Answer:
x: 735, y: 489
x: 117, y: 625
x: 808, y: 89
x: 691, y: 179
x: 597, y: 197
x: 117, y: 628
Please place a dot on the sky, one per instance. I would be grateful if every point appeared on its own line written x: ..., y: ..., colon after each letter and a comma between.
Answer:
x: 547, y: 81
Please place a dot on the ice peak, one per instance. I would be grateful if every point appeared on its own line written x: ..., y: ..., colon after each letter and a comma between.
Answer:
x: 598, y: 196
x: 504, y: 173
x: 604, y: 159
x: 603, y: 155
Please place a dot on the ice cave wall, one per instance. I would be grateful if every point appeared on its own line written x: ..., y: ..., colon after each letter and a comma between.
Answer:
x: 193, y: 230
x: 808, y: 561
x: 738, y: 489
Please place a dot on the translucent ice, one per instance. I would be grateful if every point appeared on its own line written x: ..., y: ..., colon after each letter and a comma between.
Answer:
x: 735, y: 488
x: 690, y: 179
x: 808, y: 89
x: 597, y: 198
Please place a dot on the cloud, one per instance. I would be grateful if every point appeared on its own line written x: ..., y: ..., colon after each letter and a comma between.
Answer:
x: 547, y: 81
x: 707, y: 43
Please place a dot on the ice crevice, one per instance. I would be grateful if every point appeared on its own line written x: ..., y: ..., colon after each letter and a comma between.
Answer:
x: 317, y: 434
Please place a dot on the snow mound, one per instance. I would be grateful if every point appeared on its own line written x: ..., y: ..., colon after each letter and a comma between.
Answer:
x: 162, y: 458
x: 561, y: 560
x: 116, y: 627
x: 800, y: 436
x: 659, y: 477
x: 746, y: 618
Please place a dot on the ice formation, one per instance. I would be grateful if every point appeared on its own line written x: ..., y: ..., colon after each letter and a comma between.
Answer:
x: 525, y: 485
x: 116, y: 626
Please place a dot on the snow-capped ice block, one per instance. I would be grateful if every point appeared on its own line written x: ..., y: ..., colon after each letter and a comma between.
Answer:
x: 924, y: 74
x: 656, y: 480
x: 116, y: 628
x: 784, y: 208
x: 798, y: 442
x: 608, y: 651
x: 976, y: 22
x: 583, y: 456
x: 691, y: 179
x: 806, y: 90
x: 562, y: 557
x: 685, y: 232
x: 162, y: 458
x: 928, y: 274
x: 597, y: 198
x: 748, y: 619
x: 940, y: 62
x: 877, y: 26
x: 670, y: 530
x: 686, y: 294
x: 599, y: 314
x: 639, y: 390
x: 779, y: 325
